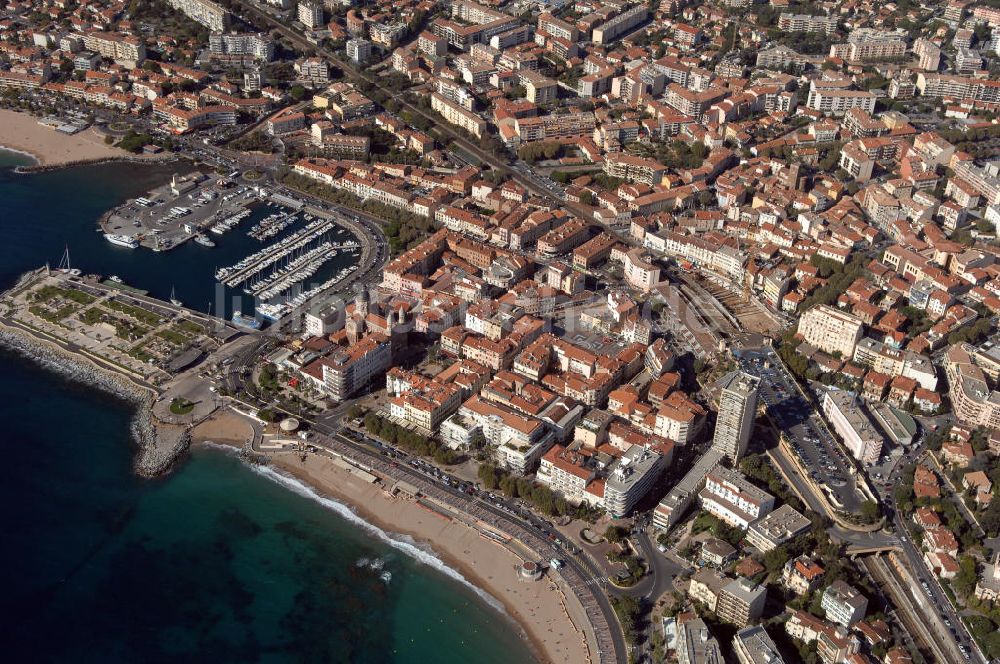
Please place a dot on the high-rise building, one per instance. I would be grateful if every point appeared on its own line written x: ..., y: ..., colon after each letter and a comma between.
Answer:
x: 632, y: 479
x: 737, y: 407
x: 310, y: 14
x: 741, y: 602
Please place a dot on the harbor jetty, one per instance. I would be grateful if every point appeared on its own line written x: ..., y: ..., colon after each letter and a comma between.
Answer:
x: 144, y: 351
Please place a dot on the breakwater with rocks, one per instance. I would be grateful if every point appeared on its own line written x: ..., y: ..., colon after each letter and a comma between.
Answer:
x: 159, y: 445
x: 44, y: 168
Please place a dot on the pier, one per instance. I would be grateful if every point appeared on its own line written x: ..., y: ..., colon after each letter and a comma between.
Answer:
x: 149, y: 352
x: 181, y: 210
x: 257, y: 262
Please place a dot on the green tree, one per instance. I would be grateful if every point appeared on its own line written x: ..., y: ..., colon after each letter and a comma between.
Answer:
x: 775, y: 559
x: 965, y: 580
x: 870, y: 511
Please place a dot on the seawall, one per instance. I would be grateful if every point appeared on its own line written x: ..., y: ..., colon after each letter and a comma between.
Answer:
x: 42, y: 168
x: 159, y: 445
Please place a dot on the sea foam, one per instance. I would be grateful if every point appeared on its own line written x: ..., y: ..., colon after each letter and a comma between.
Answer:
x: 398, y: 542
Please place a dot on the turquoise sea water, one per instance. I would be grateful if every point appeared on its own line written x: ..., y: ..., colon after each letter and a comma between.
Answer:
x: 216, y: 562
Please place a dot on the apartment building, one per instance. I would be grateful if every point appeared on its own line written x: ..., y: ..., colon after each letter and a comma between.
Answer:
x: 752, y: 645
x: 692, y: 102
x: 519, y: 440
x: 807, y: 23
x: 567, y: 472
x: 310, y: 14
x: 553, y: 127
x: 556, y: 27
x: 706, y: 586
x: 456, y: 115
x: 866, y: 45
x: 679, y: 418
x: 741, y: 602
x: 563, y: 238
x: 780, y: 57
x: 359, y: 50
x: 849, y: 419
x: 630, y: 479
x: 640, y: 272
x: 539, y: 89
x: 737, y: 410
x: 347, y: 371
x: 426, y: 404
x: 879, y: 356
x: 124, y: 50
x: 181, y: 120
x: 831, y: 330
x: 634, y: 169
x: 485, y: 24
x: 314, y: 71
x: 729, y: 496
x: 696, y: 645
x: 772, y: 530
x: 614, y: 28
x: 843, y: 603
x: 838, y: 101
x: 211, y: 15
x: 257, y: 46
x: 975, y: 403
x: 286, y: 121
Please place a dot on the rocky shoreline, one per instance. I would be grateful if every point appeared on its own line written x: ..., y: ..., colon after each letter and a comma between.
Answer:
x: 159, y: 445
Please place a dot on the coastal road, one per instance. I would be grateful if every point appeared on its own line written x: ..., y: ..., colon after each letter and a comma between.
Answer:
x: 610, y: 640
x: 587, y: 584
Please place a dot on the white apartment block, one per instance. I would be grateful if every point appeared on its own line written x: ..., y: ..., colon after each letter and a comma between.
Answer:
x: 456, y: 115
x: 631, y: 479
x: 807, y: 23
x: 772, y: 530
x: 737, y: 410
x: 256, y: 45
x: 843, y: 603
x: 310, y: 14
x: 566, y: 472
x: 346, y: 371
x: 831, y: 330
x: 729, y: 496
x: 838, y: 102
x: 852, y: 424
x: 209, y: 14
x: 124, y: 50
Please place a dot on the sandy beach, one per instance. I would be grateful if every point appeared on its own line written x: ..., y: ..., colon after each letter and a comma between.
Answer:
x: 538, y: 607
x: 21, y: 132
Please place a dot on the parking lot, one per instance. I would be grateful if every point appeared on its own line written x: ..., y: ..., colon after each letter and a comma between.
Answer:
x: 828, y: 464
x: 163, y: 219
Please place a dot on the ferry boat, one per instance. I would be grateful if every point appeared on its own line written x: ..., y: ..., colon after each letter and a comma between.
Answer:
x: 122, y: 240
x: 204, y: 240
x: 245, y: 321
x: 115, y: 278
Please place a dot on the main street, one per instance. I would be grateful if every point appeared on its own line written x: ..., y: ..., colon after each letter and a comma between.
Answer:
x: 522, y: 176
